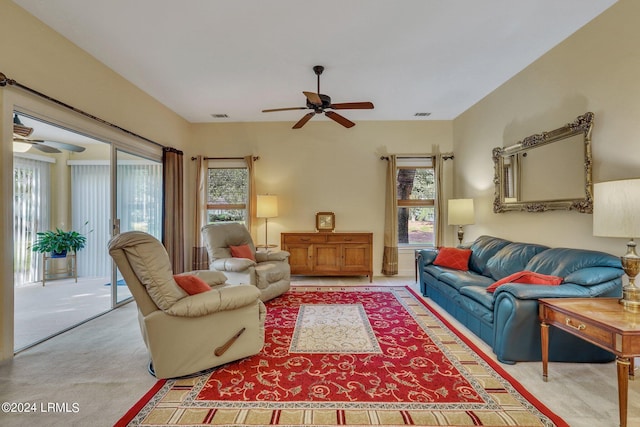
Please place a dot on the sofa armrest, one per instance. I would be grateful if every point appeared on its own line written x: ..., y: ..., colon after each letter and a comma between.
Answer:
x: 232, y: 264
x: 525, y: 291
x: 215, y: 300
x: 427, y: 256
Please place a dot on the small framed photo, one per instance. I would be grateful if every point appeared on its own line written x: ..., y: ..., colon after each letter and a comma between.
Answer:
x: 325, y: 221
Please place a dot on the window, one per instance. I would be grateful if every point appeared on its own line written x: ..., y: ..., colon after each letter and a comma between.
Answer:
x: 416, y: 190
x: 227, y: 191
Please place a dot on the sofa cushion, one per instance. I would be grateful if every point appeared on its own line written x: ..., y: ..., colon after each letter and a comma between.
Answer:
x: 528, y: 277
x: 479, y: 294
x: 455, y: 258
x: 563, y: 261
x: 458, y: 279
x: 482, y: 249
x: 191, y: 284
x: 512, y: 258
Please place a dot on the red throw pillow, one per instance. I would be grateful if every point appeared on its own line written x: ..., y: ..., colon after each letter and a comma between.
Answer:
x: 192, y: 284
x: 242, y: 251
x: 528, y: 277
x: 455, y: 258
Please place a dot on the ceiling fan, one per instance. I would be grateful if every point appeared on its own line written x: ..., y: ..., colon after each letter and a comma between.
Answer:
x: 21, y: 135
x: 319, y: 103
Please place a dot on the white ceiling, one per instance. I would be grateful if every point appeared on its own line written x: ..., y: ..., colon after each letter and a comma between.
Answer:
x: 203, y: 57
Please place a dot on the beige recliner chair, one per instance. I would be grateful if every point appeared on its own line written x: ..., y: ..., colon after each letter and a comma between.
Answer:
x: 269, y: 272
x: 186, y: 333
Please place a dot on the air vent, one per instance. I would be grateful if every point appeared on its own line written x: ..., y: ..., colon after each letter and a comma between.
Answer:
x: 422, y: 114
x: 220, y: 116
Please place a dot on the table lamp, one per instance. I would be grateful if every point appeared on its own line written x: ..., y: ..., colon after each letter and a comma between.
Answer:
x: 267, y: 207
x: 460, y: 212
x: 616, y: 208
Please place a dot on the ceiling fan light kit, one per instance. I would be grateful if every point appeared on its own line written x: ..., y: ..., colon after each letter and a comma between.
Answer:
x: 319, y: 103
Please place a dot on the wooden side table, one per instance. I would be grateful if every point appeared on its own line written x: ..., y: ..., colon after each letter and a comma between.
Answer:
x: 600, y: 321
x: 70, y: 271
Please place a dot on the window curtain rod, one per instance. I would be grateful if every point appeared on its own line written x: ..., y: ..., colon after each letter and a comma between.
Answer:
x: 4, y: 80
x: 446, y: 156
x: 227, y: 158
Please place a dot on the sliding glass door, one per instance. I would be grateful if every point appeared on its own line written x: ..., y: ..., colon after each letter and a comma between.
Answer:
x: 138, y: 202
x: 67, y: 180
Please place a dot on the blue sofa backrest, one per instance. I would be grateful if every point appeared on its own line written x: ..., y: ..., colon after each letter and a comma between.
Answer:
x: 482, y: 249
x: 580, y: 266
x: 512, y: 258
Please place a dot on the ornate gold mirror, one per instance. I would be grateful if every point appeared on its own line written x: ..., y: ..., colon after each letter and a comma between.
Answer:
x: 546, y: 171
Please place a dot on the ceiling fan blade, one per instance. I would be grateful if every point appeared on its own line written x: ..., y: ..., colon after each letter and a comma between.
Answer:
x: 19, y: 128
x: 340, y: 119
x: 41, y: 147
x: 313, y: 98
x: 352, y: 106
x: 63, y: 145
x: 303, y: 120
x: 283, y: 109
x: 22, y: 131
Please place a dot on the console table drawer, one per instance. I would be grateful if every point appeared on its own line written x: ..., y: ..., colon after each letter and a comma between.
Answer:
x: 305, y: 238
x: 349, y: 238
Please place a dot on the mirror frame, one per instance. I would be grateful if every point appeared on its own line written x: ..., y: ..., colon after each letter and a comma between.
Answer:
x: 581, y: 125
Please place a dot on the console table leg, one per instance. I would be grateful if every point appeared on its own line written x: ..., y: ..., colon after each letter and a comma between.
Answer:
x: 544, y: 335
x: 622, y: 364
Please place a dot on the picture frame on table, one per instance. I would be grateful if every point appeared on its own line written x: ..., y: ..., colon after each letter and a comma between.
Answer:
x: 325, y: 222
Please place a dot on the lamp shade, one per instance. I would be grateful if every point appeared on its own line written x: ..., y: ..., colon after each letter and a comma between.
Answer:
x: 616, y: 208
x: 460, y: 212
x: 267, y: 206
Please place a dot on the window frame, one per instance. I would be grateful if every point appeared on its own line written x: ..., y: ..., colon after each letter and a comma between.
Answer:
x: 417, y: 162
x: 228, y: 164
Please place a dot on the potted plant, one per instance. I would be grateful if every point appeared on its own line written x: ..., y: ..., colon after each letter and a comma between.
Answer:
x: 59, y: 242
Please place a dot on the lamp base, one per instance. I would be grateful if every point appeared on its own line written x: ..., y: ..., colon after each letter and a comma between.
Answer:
x: 631, y: 266
x: 460, y: 234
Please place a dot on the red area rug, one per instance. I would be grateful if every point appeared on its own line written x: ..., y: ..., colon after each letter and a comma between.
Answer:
x: 349, y: 356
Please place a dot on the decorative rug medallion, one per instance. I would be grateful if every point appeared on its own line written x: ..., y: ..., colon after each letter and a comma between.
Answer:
x: 333, y: 328
x: 349, y: 356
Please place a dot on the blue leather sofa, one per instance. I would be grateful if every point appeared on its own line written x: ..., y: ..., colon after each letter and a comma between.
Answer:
x: 507, y: 319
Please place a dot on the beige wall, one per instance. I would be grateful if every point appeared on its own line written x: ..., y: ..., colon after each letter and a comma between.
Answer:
x: 597, y: 70
x: 321, y: 167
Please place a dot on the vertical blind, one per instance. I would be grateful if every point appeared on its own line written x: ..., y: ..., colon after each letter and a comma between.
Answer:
x: 31, y: 189
x: 91, y: 205
x: 139, y: 194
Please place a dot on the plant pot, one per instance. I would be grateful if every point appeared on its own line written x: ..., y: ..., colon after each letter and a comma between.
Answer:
x: 62, y: 254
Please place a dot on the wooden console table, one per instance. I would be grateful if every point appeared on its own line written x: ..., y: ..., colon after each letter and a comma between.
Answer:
x: 329, y: 254
x: 600, y: 321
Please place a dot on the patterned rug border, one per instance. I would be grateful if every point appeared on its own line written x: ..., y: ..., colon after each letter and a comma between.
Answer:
x: 532, y: 402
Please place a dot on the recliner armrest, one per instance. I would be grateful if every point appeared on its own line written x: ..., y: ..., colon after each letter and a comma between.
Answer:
x: 215, y: 300
x: 211, y: 277
x: 232, y: 264
x: 272, y: 256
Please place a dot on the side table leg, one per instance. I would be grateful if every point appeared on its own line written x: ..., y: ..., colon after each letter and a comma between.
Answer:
x: 622, y: 364
x: 544, y: 336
